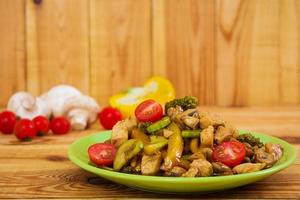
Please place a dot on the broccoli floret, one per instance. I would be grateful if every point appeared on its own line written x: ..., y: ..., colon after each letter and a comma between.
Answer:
x: 185, y: 103
x: 250, y: 139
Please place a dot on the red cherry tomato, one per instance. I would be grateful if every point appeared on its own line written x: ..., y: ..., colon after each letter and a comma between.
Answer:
x: 102, y: 153
x: 109, y: 117
x: 60, y: 125
x: 7, y: 122
x: 229, y: 153
x: 42, y: 125
x: 25, y: 130
x: 149, y: 111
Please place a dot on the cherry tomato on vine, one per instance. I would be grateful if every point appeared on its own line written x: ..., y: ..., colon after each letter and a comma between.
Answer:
x: 149, y: 111
x: 7, y: 122
x: 109, y: 117
x: 42, y: 125
x: 25, y: 130
x: 102, y: 153
x: 60, y: 125
x: 229, y: 153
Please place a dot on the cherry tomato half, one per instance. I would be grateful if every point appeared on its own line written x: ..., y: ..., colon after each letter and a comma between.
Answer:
x: 25, y: 130
x: 149, y: 111
x: 7, y: 122
x: 109, y: 117
x: 229, y: 153
x: 102, y: 153
x: 42, y: 125
x: 60, y: 125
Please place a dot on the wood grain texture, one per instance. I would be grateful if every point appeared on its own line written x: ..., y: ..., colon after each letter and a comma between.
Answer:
x: 257, y: 52
x: 183, y: 44
x: 225, y: 52
x: 40, y: 169
x: 57, y: 38
x: 120, y: 45
x: 12, y: 48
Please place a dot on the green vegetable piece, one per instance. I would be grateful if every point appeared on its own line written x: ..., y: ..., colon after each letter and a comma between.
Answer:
x: 156, y: 126
x: 185, y: 103
x: 190, y: 133
x: 250, y: 139
x: 152, y: 148
x: 156, y: 139
x: 127, y: 151
x: 157, y: 143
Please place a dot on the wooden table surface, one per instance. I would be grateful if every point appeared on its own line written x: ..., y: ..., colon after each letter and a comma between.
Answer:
x: 40, y: 169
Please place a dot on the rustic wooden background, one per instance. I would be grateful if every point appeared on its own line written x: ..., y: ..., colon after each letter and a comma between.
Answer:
x: 226, y: 52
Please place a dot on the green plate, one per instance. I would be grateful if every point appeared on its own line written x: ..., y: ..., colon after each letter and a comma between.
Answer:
x: 77, y: 153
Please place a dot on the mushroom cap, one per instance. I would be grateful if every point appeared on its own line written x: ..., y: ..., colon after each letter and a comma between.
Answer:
x: 27, y: 106
x: 83, y: 103
x: 57, y: 96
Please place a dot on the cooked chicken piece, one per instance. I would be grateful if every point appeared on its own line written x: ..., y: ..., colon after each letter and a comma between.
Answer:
x: 176, y: 171
x: 192, y: 172
x: 196, y: 156
x: 248, y: 167
x: 121, y: 130
x: 173, y: 112
x: 261, y: 156
x: 207, y: 152
x: 274, y: 149
x: 204, y: 167
x: 150, y: 164
x: 249, y: 149
x: 191, y: 122
x: 179, y: 118
x: 207, y: 137
x: 167, y: 133
x: 220, y: 169
x: 184, y: 163
x: 207, y: 119
x: 232, y: 129
x: 223, y: 134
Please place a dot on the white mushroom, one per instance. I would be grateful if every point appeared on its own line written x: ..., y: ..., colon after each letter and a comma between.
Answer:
x: 27, y: 106
x: 56, y: 97
x: 61, y: 100
x: 80, y: 110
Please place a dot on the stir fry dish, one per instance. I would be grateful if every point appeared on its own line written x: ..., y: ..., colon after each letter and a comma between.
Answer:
x: 181, y: 141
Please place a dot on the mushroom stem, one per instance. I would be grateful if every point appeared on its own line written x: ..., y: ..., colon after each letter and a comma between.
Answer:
x: 78, y: 120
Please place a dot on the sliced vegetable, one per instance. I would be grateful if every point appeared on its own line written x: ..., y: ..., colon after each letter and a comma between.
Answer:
x: 165, y: 121
x: 175, y: 148
x: 190, y: 133
x: 194, y: 145
x: 140, y: 135
x: 102, y: 154
x: 149, y: 111
x: 157, y: 143
x: 229, y: 153
x: 157, y: 88
x: 126, y: 152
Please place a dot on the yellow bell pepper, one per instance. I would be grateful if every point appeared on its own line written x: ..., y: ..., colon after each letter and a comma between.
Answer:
x: 157, y: 88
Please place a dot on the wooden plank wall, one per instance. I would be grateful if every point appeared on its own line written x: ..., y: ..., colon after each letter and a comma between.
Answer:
x: 226, y: 52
